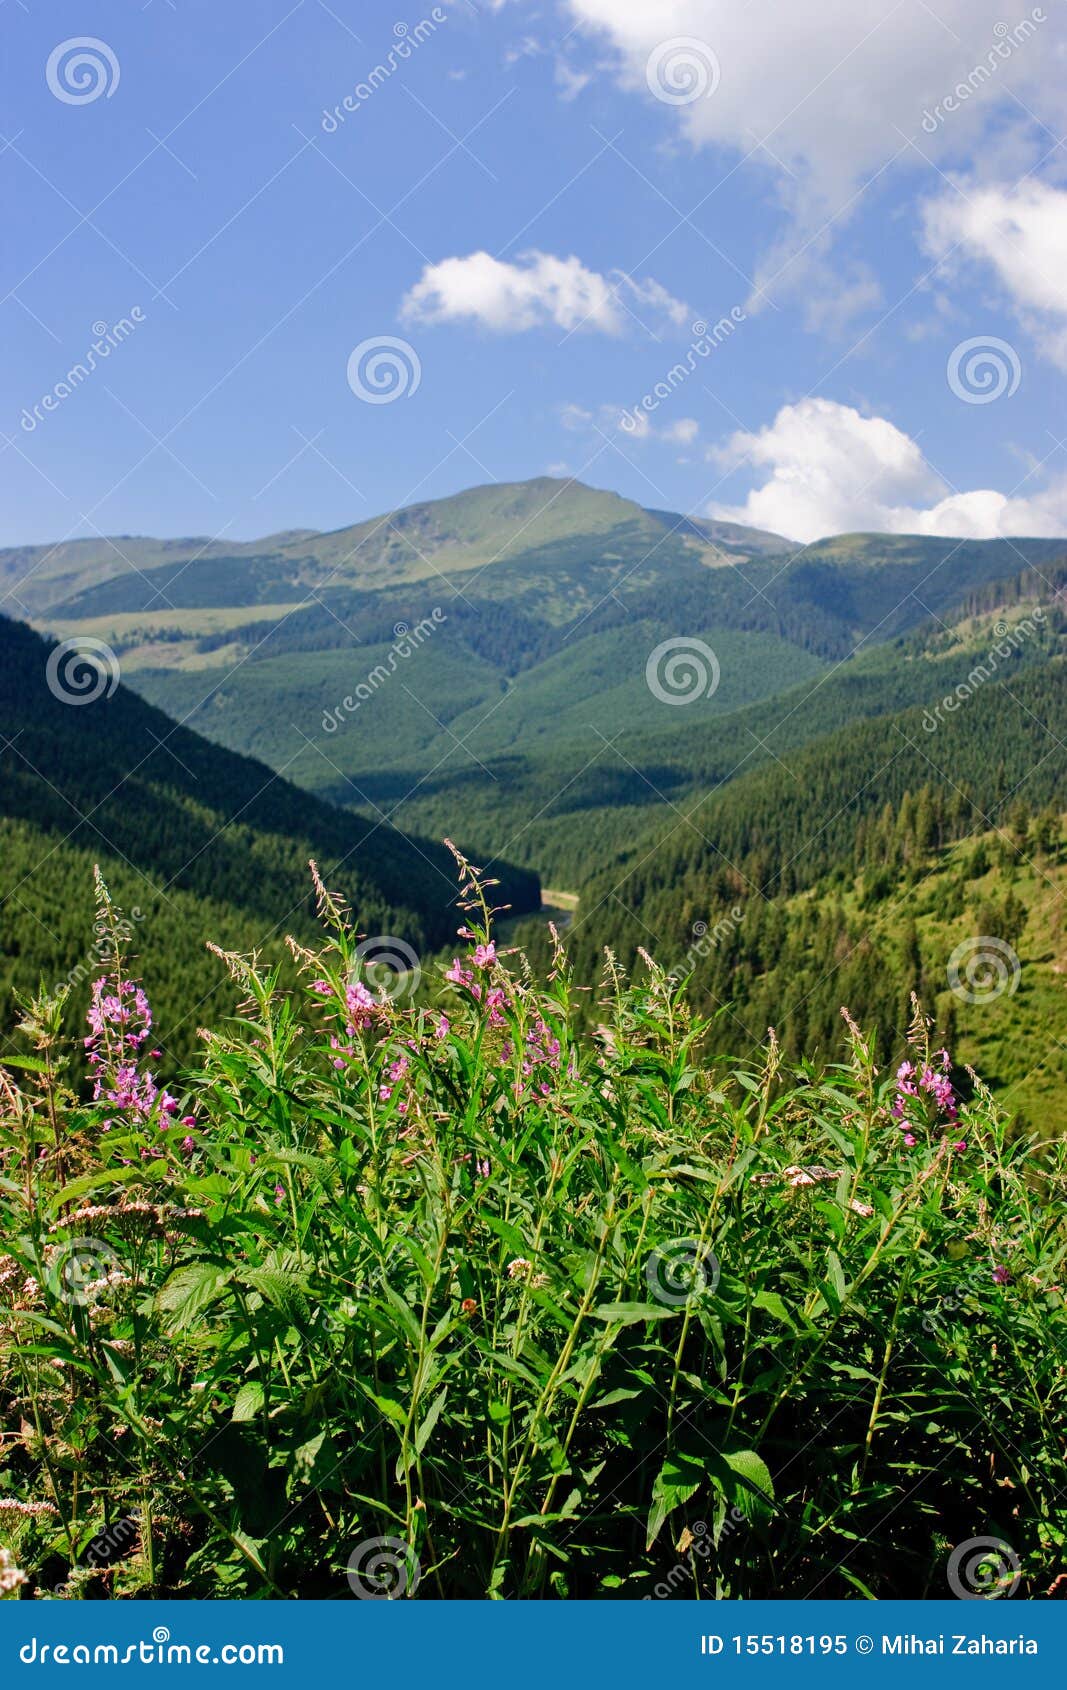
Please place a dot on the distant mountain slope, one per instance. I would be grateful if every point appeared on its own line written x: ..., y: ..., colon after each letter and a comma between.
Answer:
x: 798, y: 824
x: 493, y: 641
x: 180, y: 822
x: 570, y: 805
x: 474, y: 530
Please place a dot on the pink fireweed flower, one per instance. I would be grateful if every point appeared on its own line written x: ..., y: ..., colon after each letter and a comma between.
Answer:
x: 360, y: 1005
x: 496, y: 1002
x: 279, y: 1194
x: 441, y: 1031
x: 1001, y: 1275
x: 925, y: 1100
x: 119, y: 1023
x: 459, y: 975
x: 484, y: 955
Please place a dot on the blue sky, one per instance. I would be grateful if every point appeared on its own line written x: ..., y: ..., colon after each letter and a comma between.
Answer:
x: 540, y: 202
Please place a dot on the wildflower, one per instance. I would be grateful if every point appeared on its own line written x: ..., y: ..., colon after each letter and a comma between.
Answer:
x: 188, y: 1120
x: 279, y: 1194
x: 187, y: 1146
x: 10, y: 1575
x: 459, y: 975
x: 484, y: 955
x: 468, y: 1306
x: 360, y: 1006
x: 518, y: 1267
x: 910, y: 1140
x: 323, y: 987
x: 1001, y: 1275
x: 441, y: 1031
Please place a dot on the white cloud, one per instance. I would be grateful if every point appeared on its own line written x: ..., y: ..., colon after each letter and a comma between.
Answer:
x: 569, y: 81
x: 1020, y: 232
x: 538, y: 288
x: 681, y: 433
x: 824, y: 94
x: 527, y: 48
x: 833, y: 471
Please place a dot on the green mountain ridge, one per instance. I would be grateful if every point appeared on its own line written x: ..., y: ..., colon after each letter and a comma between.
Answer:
x: 210, y: 844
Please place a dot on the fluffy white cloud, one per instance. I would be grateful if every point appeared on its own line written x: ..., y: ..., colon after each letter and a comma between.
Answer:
x: 1020, y: 232
x: 833, y: 471
x: 827, y: 85
x: 538, y: 288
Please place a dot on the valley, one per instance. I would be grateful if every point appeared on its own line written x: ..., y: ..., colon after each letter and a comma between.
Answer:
x: 671, y: 717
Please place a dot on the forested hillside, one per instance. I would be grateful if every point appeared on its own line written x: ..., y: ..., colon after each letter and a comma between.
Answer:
x: 202, y: 843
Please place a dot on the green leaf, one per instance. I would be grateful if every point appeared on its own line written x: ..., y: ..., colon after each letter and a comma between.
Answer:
x: 772, y: 1302
x: 754, y: 1473
x: 313, y: 1461
x: 628, y: 1314
x: 248, y: 1401
x: 190, y: 1290
x: 680, y: 1477
x: 390, y: 1408
x: 433, y: 1414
